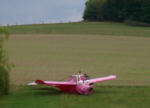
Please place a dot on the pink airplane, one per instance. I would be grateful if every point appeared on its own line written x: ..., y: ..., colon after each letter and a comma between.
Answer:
x: 77, y: 84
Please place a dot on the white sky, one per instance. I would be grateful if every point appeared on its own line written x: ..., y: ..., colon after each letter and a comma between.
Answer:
x: 38, y: 11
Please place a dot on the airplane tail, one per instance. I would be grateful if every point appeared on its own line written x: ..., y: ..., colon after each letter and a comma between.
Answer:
x: 36, y: 83
x: 39, y: 82
x: 32, y: 84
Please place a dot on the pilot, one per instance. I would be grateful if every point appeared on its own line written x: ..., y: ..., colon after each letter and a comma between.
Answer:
x: 80, y: 82
x: 80, y: 74
x: 87, y: 78
x: 79, y: 78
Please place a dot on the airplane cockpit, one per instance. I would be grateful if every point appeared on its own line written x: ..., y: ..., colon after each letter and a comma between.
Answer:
x: 79, y: 79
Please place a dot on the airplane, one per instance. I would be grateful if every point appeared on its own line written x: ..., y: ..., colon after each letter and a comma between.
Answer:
x: 77, y: 84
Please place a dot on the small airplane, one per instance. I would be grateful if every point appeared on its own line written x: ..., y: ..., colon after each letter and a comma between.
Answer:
x: 77, y: 84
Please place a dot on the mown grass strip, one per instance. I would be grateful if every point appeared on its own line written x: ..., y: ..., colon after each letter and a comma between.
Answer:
x: 103, y: 96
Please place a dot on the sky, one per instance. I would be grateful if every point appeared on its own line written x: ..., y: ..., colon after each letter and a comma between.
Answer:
x: 14, y: 12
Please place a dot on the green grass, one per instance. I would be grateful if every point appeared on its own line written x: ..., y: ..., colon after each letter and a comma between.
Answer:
x: 98, y: 28
x: 56, y: 51
x: 103, y: 97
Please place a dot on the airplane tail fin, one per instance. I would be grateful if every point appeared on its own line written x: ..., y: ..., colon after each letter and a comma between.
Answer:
x: 36, y: 83
x: 39, y: 82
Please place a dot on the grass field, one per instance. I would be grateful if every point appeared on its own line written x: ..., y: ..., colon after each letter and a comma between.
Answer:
x: 103, y: 97
x: 98, y: 28
x: 98, y: 49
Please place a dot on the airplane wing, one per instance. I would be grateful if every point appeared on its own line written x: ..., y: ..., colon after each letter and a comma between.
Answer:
x: 111, y: 77
x: 52, y: 83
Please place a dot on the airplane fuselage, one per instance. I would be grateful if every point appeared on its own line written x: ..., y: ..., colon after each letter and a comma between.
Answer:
x: 78, y: 89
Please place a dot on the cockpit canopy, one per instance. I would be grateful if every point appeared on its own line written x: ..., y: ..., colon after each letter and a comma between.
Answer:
x: 79, y: 79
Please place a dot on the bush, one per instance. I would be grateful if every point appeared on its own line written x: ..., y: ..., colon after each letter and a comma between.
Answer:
x: 4, y: 65
x: 4, y: 81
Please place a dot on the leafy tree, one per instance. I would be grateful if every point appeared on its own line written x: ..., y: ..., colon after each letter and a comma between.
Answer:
x: 145, y: 11
x: 4, y: 64
x: 113, y: 10
x: 94, y: 10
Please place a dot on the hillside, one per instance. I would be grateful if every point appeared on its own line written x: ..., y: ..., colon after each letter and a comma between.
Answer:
x: 98, y: 28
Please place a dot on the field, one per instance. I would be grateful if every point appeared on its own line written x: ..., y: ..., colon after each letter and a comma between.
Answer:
x: 93, y: 28
x: 56, y: 57
x: 56, y: 51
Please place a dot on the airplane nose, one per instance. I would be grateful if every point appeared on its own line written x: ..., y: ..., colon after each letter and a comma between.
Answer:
x: 84, y: 89
x: 89, y: 90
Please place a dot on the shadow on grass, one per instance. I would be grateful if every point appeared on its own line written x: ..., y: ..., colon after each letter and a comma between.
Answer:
x: 48, y: 91
x: 51, y: 91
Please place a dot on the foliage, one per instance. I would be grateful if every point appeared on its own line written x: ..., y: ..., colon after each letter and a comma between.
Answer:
x: 4, y: 65
x: 145, y: 11
x: 94, y: 12
x: 4, y: 81
x: 118, y: 10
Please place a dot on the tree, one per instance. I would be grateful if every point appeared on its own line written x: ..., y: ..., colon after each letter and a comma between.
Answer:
x: 4, y: 64
x: 117, y: 10
x: 94, y: 10
x: 145, y: 11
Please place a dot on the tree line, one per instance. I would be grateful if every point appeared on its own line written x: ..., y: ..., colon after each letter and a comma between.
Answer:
x: 117, y: 10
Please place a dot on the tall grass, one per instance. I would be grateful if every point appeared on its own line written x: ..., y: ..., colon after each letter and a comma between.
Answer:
x: 4, y: 65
